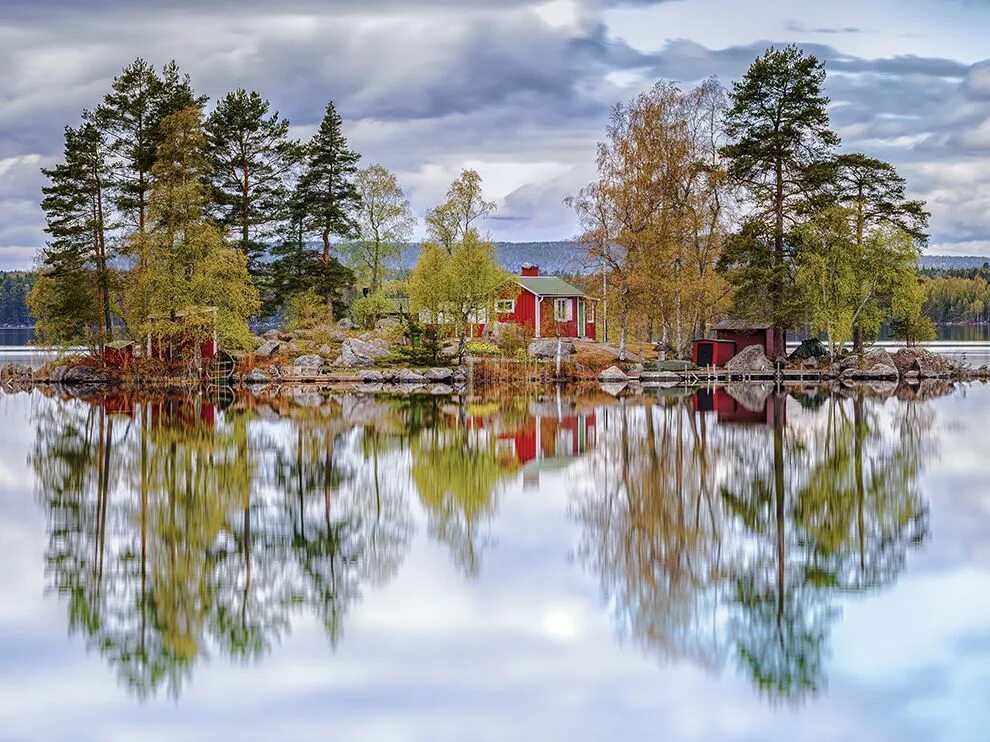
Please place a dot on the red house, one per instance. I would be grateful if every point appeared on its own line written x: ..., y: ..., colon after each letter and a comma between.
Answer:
x: 549, y: 306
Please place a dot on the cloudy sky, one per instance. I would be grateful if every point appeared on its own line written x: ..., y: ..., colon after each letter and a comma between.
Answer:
x: 518, y: 90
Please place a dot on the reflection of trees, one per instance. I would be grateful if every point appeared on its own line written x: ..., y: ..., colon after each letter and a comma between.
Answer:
x: 171, y: 531
x: 722, y: 540
x: 456, y: 473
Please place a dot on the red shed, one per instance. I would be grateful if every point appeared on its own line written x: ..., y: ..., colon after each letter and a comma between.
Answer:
x: 744, y: 334
x: 712, y: 352
x: 118, y: 353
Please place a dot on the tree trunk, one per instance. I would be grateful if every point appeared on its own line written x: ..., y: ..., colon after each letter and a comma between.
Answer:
x: 326, y: 261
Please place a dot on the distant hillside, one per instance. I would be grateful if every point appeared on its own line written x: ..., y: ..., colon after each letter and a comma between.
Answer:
x: 552, y: 257
x: 949, y: 262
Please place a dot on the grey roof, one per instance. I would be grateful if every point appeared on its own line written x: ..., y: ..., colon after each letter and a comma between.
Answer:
x: 549, y: 286
x: 740, y: 325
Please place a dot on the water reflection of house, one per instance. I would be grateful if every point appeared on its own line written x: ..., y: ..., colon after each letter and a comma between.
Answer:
x: 549, y: 438
x: 175, y: 412
x: 741, y: 406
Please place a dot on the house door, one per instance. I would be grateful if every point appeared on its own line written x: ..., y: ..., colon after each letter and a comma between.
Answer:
x: 580, y: 322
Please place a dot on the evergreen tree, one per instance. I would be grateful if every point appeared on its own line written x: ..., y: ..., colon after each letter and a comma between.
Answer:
x: 75, y: 261
x: 328, y: 197
x: 139, y: 99
x: 779, y: 126
x: 251, y: 156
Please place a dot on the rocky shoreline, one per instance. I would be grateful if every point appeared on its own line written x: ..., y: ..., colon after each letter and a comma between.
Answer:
x: 358, y: 372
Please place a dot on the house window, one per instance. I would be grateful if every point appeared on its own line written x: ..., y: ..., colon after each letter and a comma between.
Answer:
x: 562, y: 310
x: 505, y: 306
x: 590, y: 319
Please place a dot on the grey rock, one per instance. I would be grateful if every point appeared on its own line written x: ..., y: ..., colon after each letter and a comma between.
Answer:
x: 750, y: 359
x: 84, y: 375
x: 547, y: 348
x: 372, y: 377
x: 346, y: 324
x: 355, y: 352
x: 310, y: 360
x: 848, y: 362
x: 267, y: 348
x: 408, y: 376
x: 439, y: 374
x: 325, y: 350
x: 271, y: 335
x: 256, y: 376
x: 613, y: 373
x: 440, y: 389
x: 386, y: 323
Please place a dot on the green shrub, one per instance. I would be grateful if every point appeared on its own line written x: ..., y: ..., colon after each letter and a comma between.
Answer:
x: 481, y: 348
x: 305, y: 310
x: 512, y: 338
x: 367, y: 310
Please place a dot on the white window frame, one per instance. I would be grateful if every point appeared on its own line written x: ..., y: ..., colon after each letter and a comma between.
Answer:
x: 589, y: 312
x: 501, y: 304
x: 568, y: 310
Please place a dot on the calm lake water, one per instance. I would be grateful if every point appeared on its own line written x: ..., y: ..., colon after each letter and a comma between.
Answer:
x: 712, y: 566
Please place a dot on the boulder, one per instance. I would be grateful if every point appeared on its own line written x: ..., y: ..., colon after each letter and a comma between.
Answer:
x: 753, y: 397
x: 439, y: 375
x: 810, y: 348
x: 267, y: 348
x: 256, y: 376
x: 325, y: 350
x: 408, y: 376
x: 875, y: 364
x: 346, y: 324
x: 355, y: 352
x: 547, y: 348
x: 270, y: 335
x: 848, y: 362
x: 84, y: 375
x: 372, y: 377
x: 386, y: 323
x: 613, y: 373
x: 57, y: 374
x: 310, y: 360
x: 750, y: 359
x: 440, y: 390
x: 460, y: 375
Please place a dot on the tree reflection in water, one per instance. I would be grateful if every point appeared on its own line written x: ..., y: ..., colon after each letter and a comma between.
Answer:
x: 724, y: 526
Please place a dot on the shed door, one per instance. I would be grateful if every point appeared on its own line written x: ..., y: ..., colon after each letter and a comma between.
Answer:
x: 580, y: 322
x: 706, y: 354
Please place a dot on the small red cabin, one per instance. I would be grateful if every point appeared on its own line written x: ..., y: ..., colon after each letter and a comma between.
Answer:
x: 712, y: 352
x: 744, y: 334
x: 118, y: 353
x: 549, y: 306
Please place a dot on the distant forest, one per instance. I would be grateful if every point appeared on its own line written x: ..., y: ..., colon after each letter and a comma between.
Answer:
x: 14, y: 288
x: 957, y: 288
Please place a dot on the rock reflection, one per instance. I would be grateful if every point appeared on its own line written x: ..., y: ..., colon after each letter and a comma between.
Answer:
x: 724, y: 526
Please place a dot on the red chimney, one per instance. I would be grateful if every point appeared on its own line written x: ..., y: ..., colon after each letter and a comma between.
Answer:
x: 528, y: 269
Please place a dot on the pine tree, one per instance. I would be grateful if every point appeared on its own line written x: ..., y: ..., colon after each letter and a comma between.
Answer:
x: 251, y: 156
x: 129, y: 117
x: 778, y: 121
x: 327, y: 195
x: 75, y: 262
